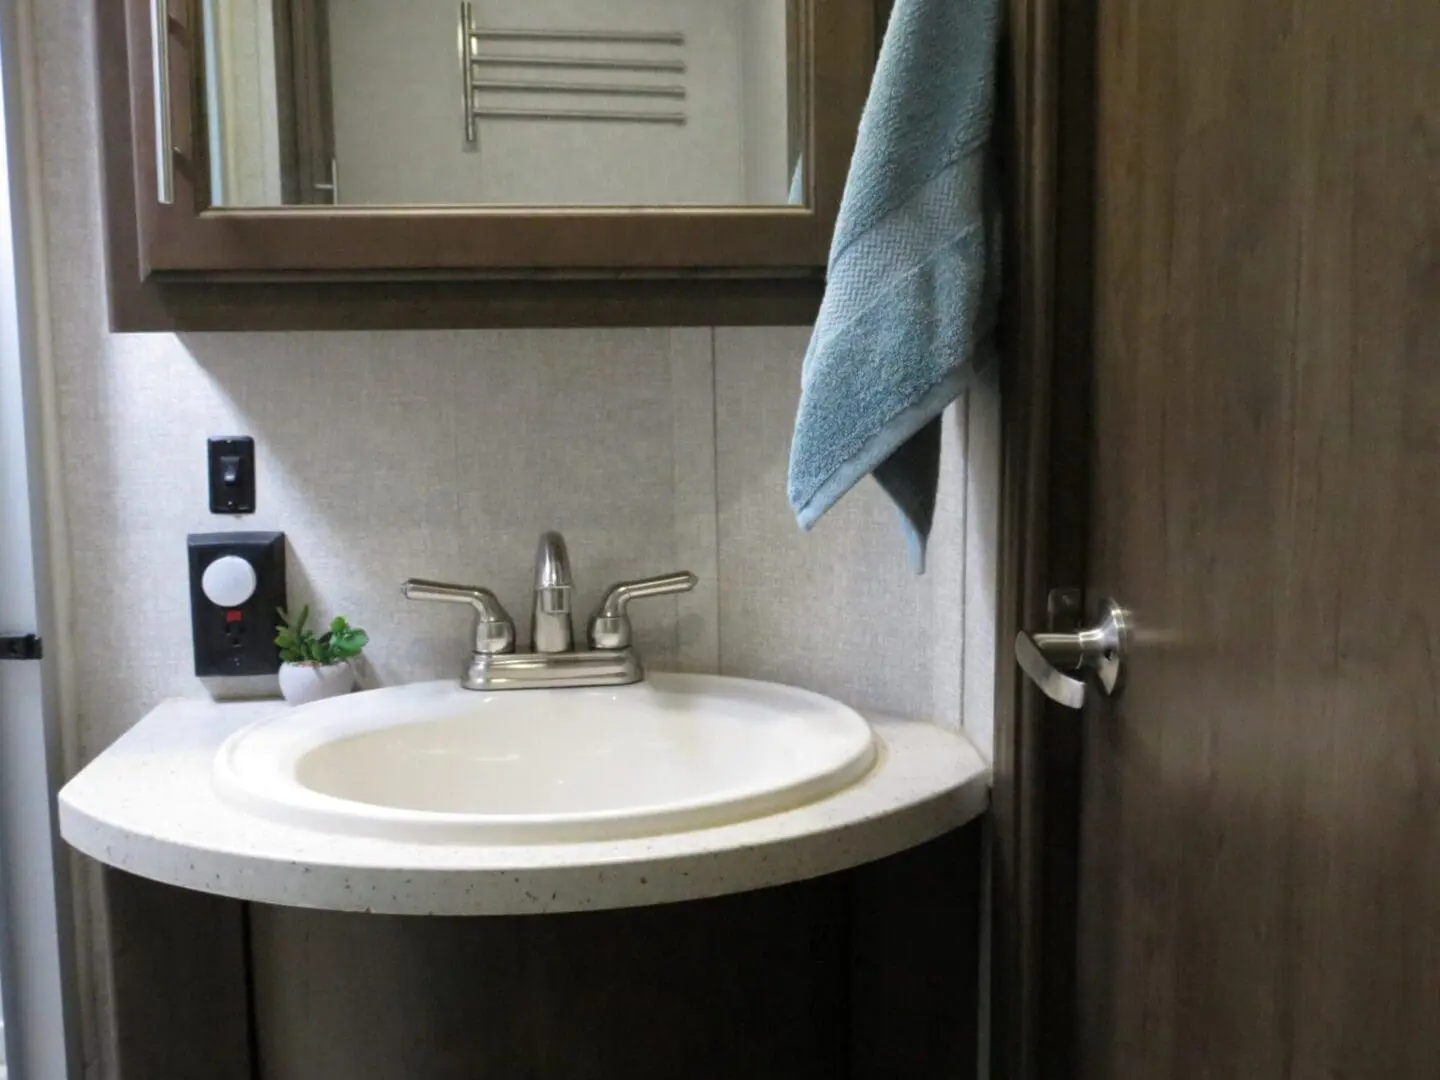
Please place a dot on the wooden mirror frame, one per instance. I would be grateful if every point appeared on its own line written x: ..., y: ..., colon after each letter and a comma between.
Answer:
x: 185, y: 266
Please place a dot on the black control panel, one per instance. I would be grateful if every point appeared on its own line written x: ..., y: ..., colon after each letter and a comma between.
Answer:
x: 237, y: 587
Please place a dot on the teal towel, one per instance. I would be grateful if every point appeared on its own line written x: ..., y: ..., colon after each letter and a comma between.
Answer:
x: 910, y: 306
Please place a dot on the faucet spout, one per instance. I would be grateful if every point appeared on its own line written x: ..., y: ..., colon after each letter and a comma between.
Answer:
x: 551, y: 628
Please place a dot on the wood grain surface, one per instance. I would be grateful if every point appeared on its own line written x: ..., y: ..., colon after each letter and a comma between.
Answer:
x: 1260, y: 871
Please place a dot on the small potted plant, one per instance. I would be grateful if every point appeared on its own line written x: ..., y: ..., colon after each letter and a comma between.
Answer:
x: 317, y: 665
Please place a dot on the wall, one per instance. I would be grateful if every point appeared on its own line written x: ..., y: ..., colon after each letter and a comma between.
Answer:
x: 384, y: 455
x: 445, y: 455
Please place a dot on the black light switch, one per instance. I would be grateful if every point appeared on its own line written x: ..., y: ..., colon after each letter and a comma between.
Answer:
x: 232, y: 475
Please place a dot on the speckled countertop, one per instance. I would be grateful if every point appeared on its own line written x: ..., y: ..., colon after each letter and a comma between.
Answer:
x: 146, y: 806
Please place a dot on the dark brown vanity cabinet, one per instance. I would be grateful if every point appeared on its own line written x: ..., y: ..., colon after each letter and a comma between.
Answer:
x: 869, y: 974
x: 313, y: 164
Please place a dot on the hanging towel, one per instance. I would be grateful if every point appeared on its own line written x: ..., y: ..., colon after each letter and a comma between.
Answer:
x: 913, y: 287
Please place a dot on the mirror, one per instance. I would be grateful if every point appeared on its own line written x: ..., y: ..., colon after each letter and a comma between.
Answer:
x: 505, y: 102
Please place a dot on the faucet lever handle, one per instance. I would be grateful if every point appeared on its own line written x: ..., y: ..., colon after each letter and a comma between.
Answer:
x: 494, y: 629
x: 610, y: 626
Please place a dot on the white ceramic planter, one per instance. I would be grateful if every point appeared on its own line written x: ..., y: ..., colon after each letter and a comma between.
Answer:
x: 303, y: 683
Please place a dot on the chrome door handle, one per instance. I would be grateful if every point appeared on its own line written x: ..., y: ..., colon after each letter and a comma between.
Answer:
x: 1057, y: 663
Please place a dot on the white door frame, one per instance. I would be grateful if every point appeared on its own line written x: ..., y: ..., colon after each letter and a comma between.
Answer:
x: 36, y: 913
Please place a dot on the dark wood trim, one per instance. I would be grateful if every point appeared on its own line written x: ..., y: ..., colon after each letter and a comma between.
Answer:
x: 883, y: 8
x: 1020, y: 587
x: 1068, y: 520
x: 915, y: 920
x: 347, y: 239
x: 1048, y: 135
x: 874, y: 968
x: 132, y: 305
x: 381, y: 305
x: 189, y: 237
x: 140, y: 302
x: 177, y: 1002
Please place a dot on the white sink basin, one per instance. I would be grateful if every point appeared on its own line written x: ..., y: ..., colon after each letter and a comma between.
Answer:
x: 434, y: 763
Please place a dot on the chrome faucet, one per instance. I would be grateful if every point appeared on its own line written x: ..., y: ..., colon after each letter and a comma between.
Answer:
x: 550, y: 628
x: 552, y: 660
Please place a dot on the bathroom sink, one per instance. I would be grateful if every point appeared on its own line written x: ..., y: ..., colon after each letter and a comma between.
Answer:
x: 436, y: 763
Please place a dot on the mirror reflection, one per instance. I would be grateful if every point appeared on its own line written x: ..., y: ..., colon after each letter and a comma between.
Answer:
x: 519, y: 102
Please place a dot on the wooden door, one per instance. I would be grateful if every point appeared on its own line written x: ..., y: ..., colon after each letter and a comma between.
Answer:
x: 1259, y: 885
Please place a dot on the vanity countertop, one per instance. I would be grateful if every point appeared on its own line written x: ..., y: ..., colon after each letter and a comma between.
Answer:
x: 147, y: 806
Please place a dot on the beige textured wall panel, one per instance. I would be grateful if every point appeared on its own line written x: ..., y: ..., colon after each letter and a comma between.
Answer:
x: 979, y: 549
x: 945, y: 571
x: 837, y: 610
x: 381, y: 456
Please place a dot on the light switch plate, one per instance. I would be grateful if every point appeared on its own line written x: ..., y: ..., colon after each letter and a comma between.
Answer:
x: 232, y: 475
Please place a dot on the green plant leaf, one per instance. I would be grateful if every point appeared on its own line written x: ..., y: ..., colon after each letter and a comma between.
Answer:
x: 287, y: 640
x: 298, y: 644
x: 349, y: 643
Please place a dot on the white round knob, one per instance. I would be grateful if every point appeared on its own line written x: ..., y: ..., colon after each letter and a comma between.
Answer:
x: 229, y: 581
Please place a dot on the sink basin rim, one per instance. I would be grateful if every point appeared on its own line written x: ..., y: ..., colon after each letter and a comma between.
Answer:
x: 287, y: 801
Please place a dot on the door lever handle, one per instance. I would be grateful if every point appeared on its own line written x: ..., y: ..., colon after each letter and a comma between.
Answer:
x: 1057, y: 663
